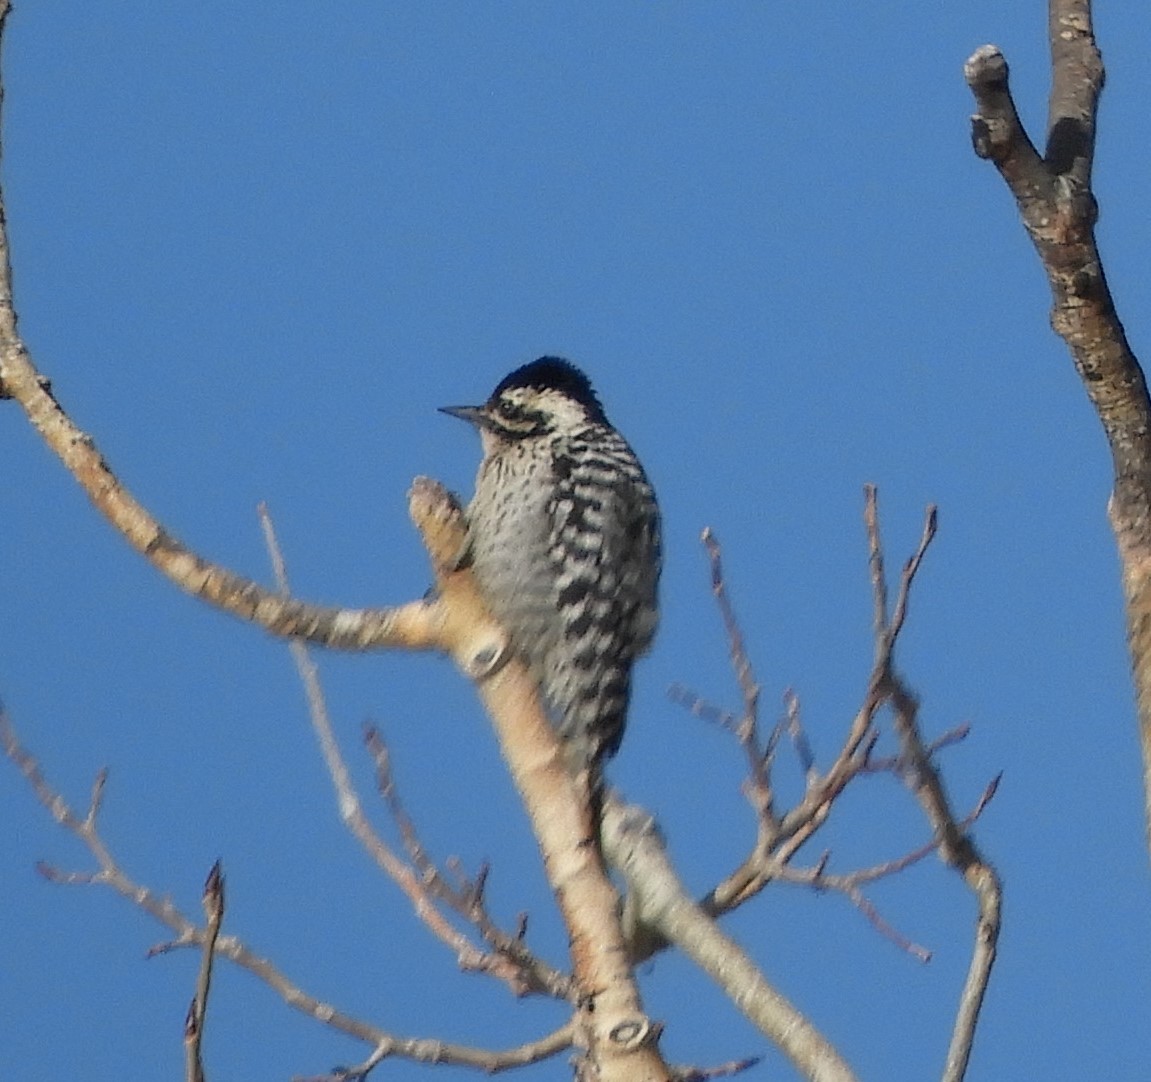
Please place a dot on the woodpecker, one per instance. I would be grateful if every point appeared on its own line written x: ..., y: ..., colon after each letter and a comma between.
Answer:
x: 564, y: 543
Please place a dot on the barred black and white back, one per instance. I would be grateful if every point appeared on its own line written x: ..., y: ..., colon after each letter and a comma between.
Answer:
x: 564, y: 542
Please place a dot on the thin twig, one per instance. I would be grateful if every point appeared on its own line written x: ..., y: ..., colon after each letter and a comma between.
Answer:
x: 543, y: 1048
x: 744, y: 672
x: 850, y: 884
x: 723, y: 1070
x: 748, y: 729
x: 699, y: 707
x: 911, y: 569
x: 875, y: 562
x: 956, y: 847
x: 522, y: 971
x: 213, y: 903
x: 794, y: 725
x: 467, y: 898
x: 772, y: 856
x: 759, y: 787
x: 894, y: 764
x: 958, y: 850
x: 187, y: 934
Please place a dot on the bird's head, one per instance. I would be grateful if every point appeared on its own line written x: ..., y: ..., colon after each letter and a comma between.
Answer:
x: 547, y: 396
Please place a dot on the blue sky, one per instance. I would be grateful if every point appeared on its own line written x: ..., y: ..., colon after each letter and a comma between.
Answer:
x: 256, y: 249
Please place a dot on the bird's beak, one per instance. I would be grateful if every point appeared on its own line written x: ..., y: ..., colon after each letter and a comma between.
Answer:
x: 472, y: 414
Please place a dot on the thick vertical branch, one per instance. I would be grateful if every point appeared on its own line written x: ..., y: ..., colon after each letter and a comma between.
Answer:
x: 1059, y: 210
x: 622, y: 1043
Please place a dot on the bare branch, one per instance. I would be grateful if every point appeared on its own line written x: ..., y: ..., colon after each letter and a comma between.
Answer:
x: 956, y: 847
x: 385, y: 1044
x: 544, y: 1048
x: 741, y: 662
x: 511, y: 959
x: 1059, y: 210
x: 699, y: 707
x: 911, y: 569
x: 893, y: 764
x: 621, y: 1040
x: 851, y: 883
x: 779, y: 840
x: 759, y: 785
x: 412, y: 626
x: 781, y: 837
x: 616, y: 1031
x: 959, y: 851
x: 875, y: 563
x: 793, y: 722
x: 213, y: 903
x: 724, y: 1070
x: 514, y: 964
x: 889, y: 931
x: 661, y: 902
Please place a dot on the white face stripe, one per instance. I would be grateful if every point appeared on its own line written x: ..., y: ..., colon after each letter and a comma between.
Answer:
x: 558, y: 410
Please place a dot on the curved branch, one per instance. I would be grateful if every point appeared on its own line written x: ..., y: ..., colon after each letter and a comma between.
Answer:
x: 415, y: 626
x: 418, y: 877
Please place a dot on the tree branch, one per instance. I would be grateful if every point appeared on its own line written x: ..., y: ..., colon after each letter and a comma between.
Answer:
x: 781, y: 834
x: 1059, y: 210
x: 511, y: 961
x: 621, y: 1040
x: 956, y: 847
x: 385, y: 1045
x: 662, y: 903
x: 213, y: 903
x: 414, y: 626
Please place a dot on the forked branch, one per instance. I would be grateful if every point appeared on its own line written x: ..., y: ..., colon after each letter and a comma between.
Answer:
x: 659, y: 901
x: 189, y: 934
x: 213, y: 903
x: 782, y: 833
x: 417, y: 877
x: 1059, y: 209
x: 957, y: 848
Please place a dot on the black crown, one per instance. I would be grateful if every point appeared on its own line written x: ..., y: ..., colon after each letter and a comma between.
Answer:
x: 555, y: 374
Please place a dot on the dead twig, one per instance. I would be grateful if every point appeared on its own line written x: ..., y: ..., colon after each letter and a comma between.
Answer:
x: 956, y: 846
x: 187, y: 934
x: 759, y: 786
x: 782, y: 834
x: 213, y: 903
x: 511, y: 962
x: 466, y: 897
